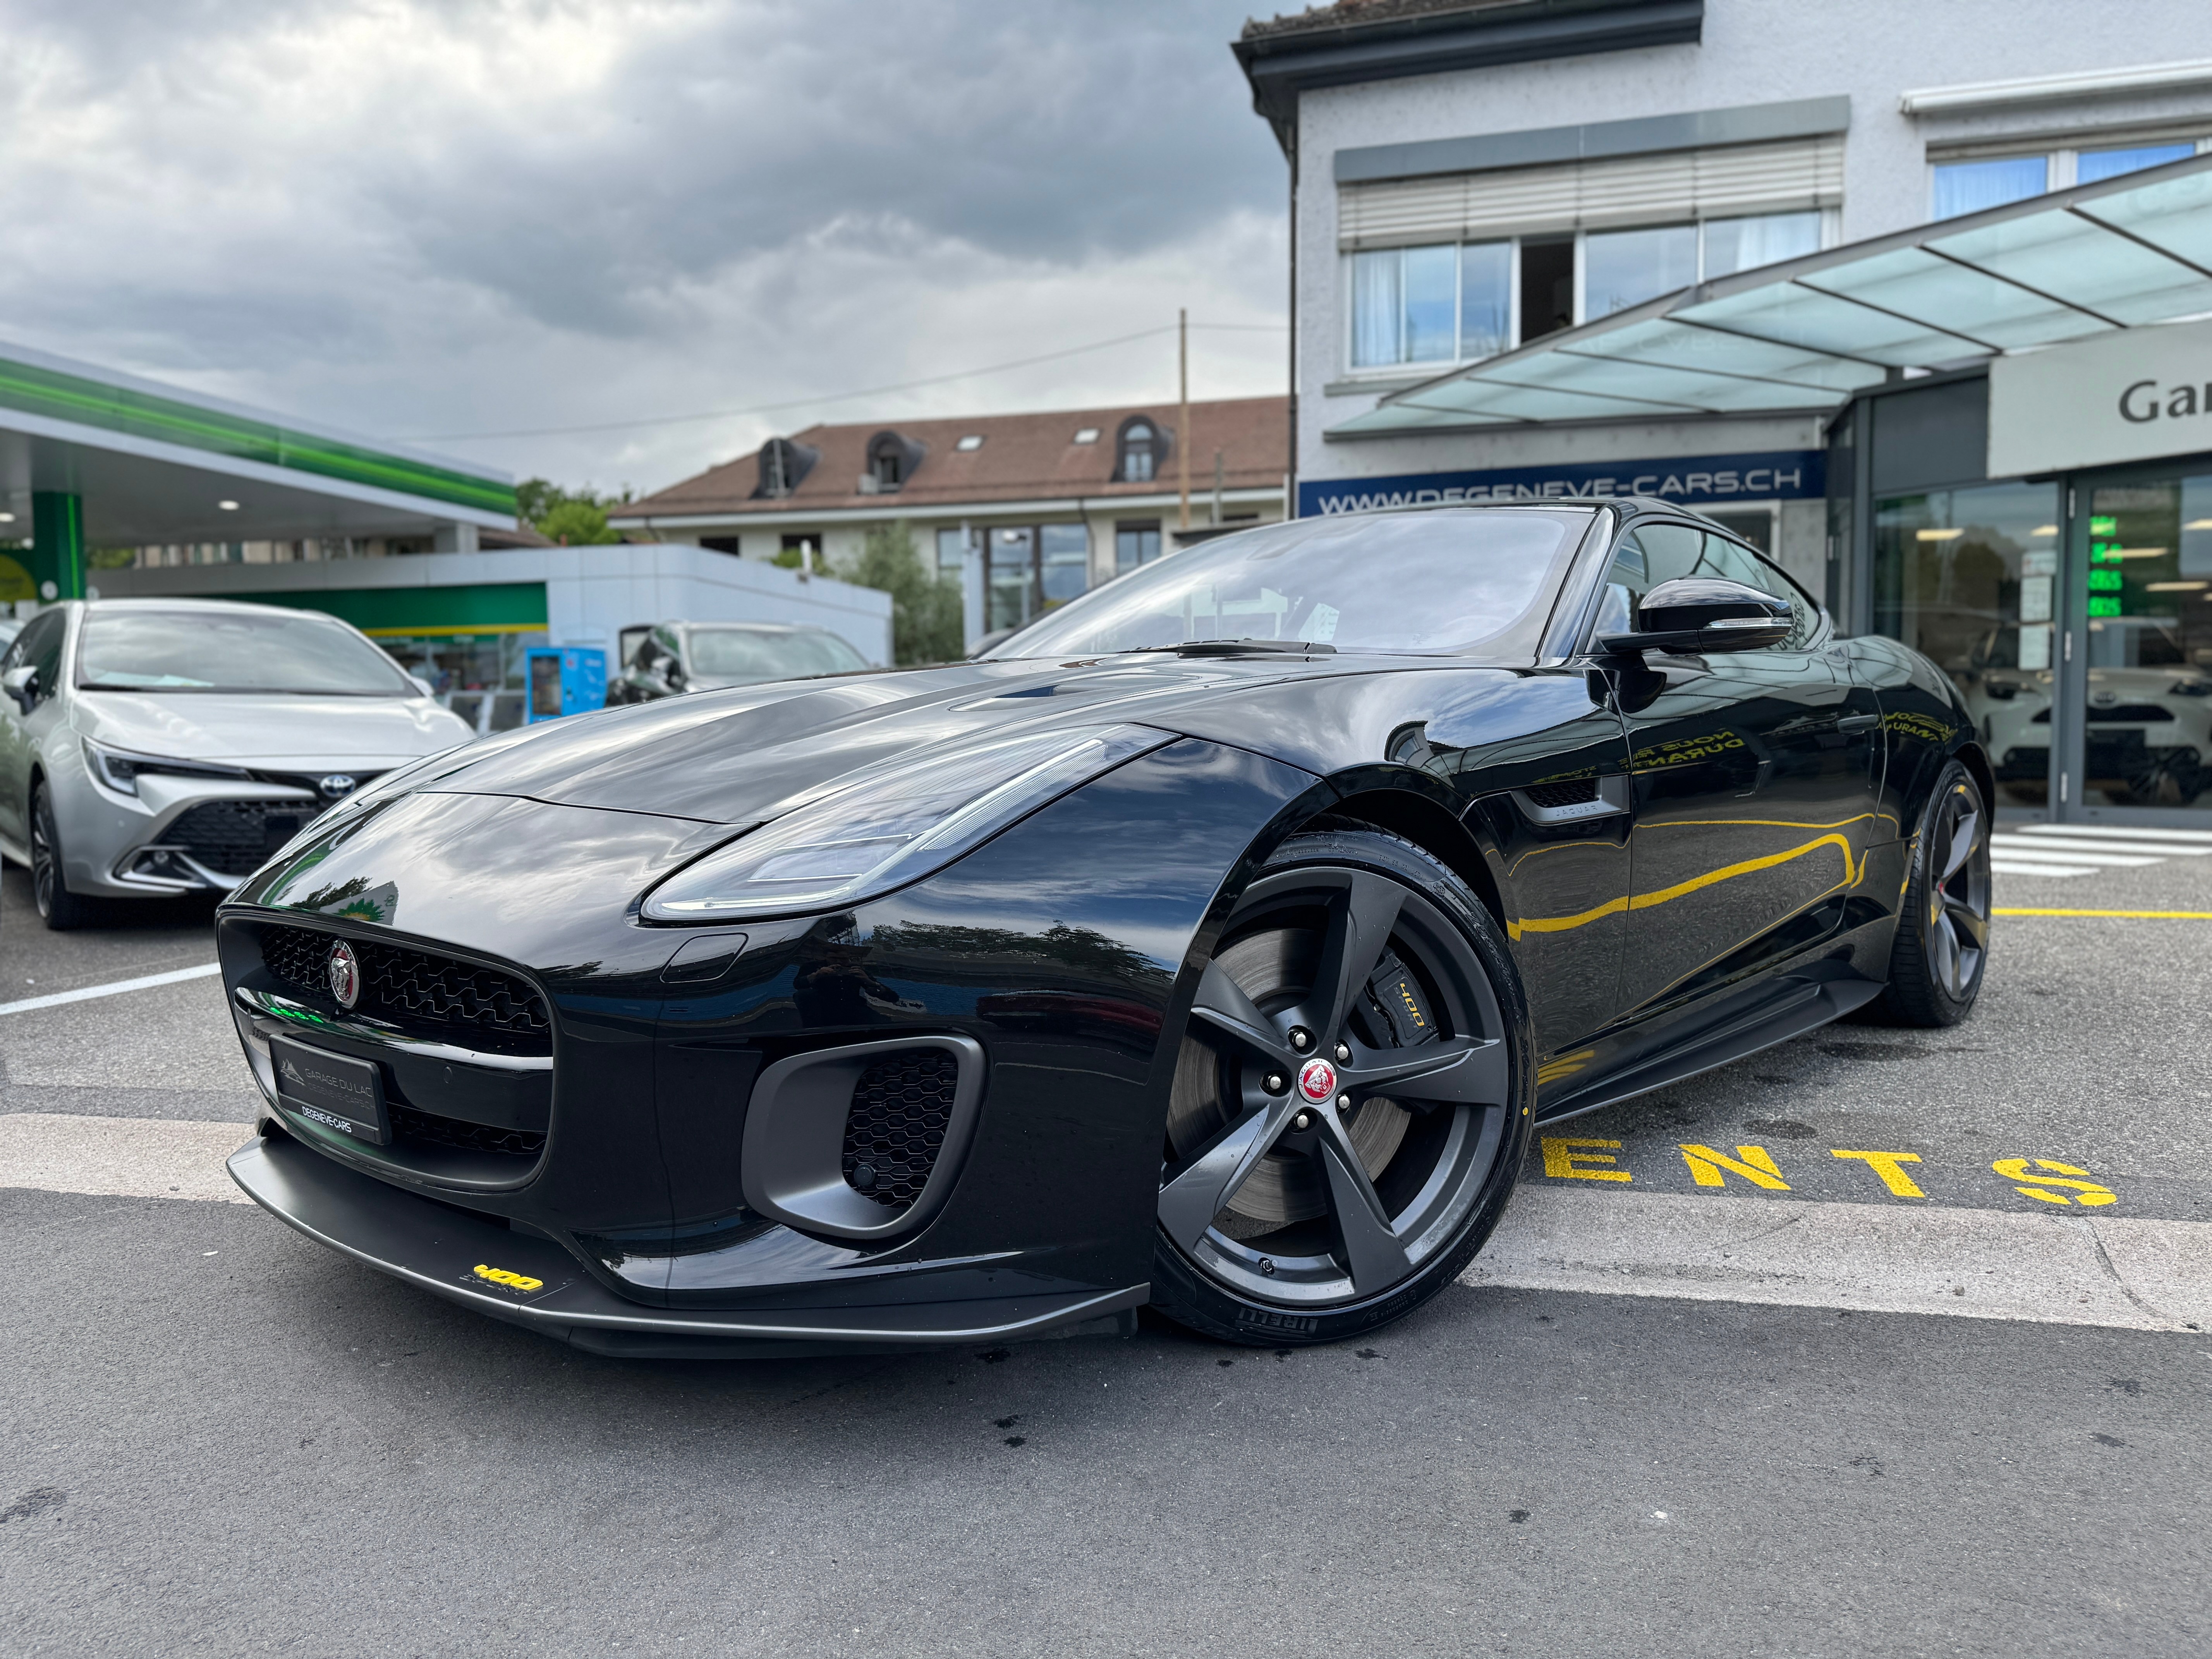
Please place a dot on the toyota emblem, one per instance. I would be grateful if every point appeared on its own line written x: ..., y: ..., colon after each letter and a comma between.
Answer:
x: 345, y: 974
x: 1316, y: 1080
x: 336, y: 784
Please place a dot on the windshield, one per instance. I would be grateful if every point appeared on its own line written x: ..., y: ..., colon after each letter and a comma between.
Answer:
x: 151, y: 650
x: 746, y: 653
x: 1444, y: 581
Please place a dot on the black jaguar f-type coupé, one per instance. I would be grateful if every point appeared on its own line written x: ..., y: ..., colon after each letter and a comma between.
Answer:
x: 1216, y: 942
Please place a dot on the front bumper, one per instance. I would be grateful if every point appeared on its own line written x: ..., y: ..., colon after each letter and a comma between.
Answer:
x: 440, y: 1248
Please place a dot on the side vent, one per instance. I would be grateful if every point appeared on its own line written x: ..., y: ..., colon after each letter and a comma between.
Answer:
x: 1572, y: 800
x: 863, y: 1141
x: 896, y: 1127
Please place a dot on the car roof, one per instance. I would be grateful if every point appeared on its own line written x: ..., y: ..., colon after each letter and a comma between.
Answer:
x: 221, y: 607
x: 753, y: 626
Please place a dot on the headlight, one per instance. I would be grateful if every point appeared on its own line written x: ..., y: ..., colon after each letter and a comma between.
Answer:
x: 894, y: 827
x: 120, y: 768
x: 2003, y: 690
x: 2189, y: 689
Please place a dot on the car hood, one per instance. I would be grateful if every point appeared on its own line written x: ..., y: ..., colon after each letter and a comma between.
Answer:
x: 269, y: 730
x: 745, y: 756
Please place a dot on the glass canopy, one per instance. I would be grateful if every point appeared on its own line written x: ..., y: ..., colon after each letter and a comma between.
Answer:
x: 2125, y: 252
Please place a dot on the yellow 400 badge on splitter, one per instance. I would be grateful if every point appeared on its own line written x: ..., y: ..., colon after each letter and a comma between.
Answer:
x: 513, y: 1281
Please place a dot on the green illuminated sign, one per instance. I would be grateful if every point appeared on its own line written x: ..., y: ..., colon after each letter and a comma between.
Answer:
x: 2098, y: 526
x: 2105, y: 579
x: 2104, y: 607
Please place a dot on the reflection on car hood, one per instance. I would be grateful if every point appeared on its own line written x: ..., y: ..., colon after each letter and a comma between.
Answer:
x: 739, y: 757
x: 270, y: 729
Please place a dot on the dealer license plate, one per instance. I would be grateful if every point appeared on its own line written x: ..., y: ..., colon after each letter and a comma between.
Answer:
x: 334, y: 1091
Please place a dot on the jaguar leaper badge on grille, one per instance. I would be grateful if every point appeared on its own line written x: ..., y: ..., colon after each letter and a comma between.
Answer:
x: 345, y: 974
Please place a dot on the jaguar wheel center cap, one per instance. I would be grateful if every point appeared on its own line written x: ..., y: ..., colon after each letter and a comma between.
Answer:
x: 345, y: 974
x: 1316, y: 1080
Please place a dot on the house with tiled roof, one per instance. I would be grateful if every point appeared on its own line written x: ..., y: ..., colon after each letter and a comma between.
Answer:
x: 1041, y: 508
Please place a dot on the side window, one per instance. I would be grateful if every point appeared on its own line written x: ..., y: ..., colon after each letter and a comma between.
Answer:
x: 39, y: 645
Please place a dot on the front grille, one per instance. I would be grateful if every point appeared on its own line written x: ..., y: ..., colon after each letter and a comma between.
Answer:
x: 412, y: 1125
x: 237, y: 837
x: 411, y: 988
x: 895, y: 1125
x: 1572, y: 793
x: 2131, y: 713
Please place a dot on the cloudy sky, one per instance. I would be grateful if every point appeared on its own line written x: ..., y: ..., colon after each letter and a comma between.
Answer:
x: 453, y: 221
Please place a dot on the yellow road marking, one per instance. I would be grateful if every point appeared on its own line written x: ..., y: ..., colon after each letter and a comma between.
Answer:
x: 2129, y: 915
x: 1562, y: 1157
x: 1885, y: 1165
x: 2094, y: 1194
x: 1756, y: 1165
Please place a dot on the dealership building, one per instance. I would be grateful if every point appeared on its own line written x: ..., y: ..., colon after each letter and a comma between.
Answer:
x: 1932, y: 341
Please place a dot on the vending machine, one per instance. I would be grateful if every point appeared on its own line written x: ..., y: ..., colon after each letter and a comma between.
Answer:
x: 566, y: 680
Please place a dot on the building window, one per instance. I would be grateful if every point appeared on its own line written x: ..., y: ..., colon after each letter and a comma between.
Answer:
x: 1143, y: 447
x: 969, y: 443
x: 1625, y: 268
x: 1728, y: 246
x: 2092, y: 165
x: 1032, y: 568
x: 1456, y: 303
x: 1431, y: 305
x: 1135, y: 543
x: 719, y: 544
x: 1064, y: 552
x: 1969, y: 186
x: 951, y: 552
x: 1086, y: 435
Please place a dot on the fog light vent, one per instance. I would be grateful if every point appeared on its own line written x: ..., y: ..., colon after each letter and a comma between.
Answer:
x: 895, y: 1126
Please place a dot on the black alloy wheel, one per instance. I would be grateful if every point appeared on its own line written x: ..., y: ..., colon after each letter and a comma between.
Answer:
x: 1350, y: 1101
x: 59, y: 908
x: 1942, y: 946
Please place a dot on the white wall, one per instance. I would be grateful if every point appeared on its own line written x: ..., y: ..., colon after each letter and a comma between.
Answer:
x: 590, y: 593
x: 1754, y: 51
x: 590, y: 602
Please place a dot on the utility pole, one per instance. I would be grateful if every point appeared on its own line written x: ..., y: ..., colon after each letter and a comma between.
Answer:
x: 1182, y: 435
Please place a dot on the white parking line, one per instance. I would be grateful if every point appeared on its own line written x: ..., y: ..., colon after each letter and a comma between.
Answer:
x: 1999, y: 867
x: 2083, y: 844
x: 116, y: 988
x: 2135, y: 1273
x: 2015, y: 849
x: 2114, y: 831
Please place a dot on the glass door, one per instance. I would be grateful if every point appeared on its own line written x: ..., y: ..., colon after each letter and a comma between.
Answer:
x: 2135, y: 711
x: 1969, y: 576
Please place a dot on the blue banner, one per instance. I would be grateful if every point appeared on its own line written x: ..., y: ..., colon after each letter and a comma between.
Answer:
x: 1788, y: 475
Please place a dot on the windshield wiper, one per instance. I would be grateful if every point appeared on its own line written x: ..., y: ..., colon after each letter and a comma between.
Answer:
x: 1243, y: 648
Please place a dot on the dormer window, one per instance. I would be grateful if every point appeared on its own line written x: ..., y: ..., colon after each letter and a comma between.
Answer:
x: 783, y: 467
x: 1143, y: 447
x: 892, y: 461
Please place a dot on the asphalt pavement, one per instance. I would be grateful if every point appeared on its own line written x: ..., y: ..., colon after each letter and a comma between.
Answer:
x: 1752, y: 1398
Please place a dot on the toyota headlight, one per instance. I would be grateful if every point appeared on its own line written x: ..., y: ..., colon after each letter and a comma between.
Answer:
x: 121, y: 769
x: 893, y: 827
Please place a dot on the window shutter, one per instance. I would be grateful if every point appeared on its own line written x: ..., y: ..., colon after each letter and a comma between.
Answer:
x: 1635, y: 189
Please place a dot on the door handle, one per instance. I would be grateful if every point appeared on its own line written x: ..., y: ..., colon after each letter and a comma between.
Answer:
x: 1858, y: 722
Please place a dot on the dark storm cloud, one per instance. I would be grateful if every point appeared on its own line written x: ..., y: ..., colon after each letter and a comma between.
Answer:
x: 409, y: 215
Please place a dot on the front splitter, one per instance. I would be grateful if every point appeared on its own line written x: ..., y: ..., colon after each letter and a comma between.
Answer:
x: 531, y: 1281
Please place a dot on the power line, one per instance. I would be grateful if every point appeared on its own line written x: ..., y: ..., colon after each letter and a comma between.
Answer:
x: 838, y: 397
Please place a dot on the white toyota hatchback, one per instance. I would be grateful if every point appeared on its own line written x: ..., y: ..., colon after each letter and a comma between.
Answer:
x: 154, y: 747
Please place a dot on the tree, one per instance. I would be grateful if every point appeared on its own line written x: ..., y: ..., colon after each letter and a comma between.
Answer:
x: 574, y: 518
x: 926, y: 608
x: 576, y: 523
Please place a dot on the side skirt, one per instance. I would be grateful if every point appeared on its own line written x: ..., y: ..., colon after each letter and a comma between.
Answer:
x: 1802, y: 1007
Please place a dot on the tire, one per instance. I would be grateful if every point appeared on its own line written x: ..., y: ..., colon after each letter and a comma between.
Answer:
x: 59, y: 909
x: 1355, y: 968
x: 1942, y: 944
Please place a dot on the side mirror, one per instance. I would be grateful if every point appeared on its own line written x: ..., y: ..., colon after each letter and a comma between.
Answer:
x: 423, y: 686
x: 1702, y: 614
x: 22, y: 685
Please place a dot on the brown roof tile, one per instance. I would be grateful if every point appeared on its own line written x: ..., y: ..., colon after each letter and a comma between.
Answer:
x: 1022, y: 458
